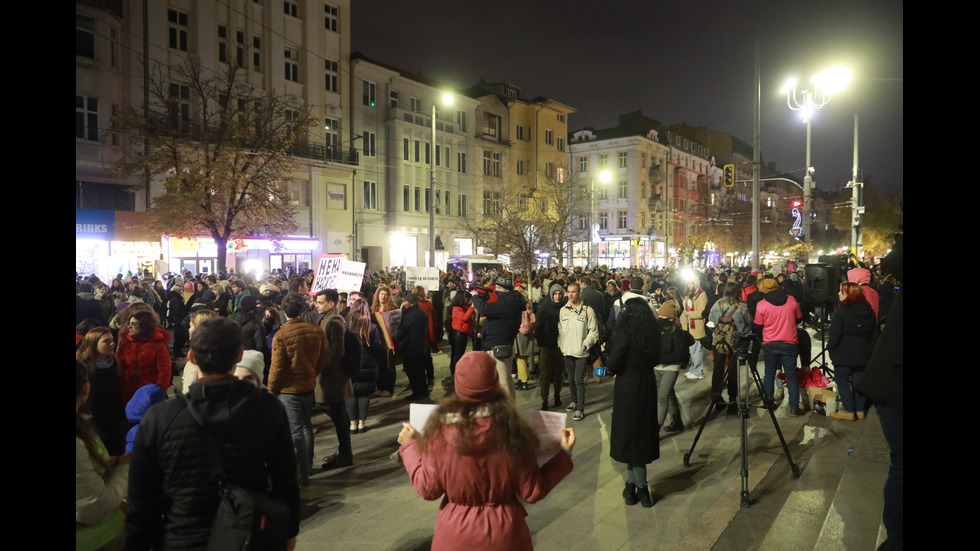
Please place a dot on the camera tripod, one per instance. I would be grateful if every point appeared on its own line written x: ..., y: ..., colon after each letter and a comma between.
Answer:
x: 742, y: 383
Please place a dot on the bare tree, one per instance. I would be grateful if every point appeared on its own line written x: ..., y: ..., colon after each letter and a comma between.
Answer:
x: 222, y: 150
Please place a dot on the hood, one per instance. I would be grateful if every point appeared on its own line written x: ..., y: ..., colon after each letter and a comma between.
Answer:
x: 776, y: 298
x: 140, y: 403
x: 159, y: 335
x: 219, y: 404
x: 551, y: 292
x: 859, y: 275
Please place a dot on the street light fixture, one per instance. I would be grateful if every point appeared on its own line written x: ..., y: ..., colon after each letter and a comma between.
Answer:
x: 604, y: 177
x: 447, y: 99
x: 825, y: 85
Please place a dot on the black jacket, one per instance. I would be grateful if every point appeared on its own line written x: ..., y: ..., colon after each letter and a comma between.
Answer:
x: 546, y: 324
x: 853, y: 329
x: 172, y: 495
x: 503, y: 317
x: 412, y: 336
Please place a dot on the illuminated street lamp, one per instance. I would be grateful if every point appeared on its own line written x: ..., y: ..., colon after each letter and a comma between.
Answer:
x: 604, y: 177
x: 824, y: 86
x: 447, y: 99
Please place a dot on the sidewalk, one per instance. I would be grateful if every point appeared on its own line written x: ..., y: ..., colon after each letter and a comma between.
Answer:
x: 835, y: 504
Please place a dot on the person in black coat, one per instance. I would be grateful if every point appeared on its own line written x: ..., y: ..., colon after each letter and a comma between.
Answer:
x: 852, y: 333
x: 552, y: 363
x: 635, y: 438
x: 412, y: 344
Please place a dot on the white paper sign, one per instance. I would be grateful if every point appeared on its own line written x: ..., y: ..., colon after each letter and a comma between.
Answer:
x: 334, y: 271
x: 422, y: 276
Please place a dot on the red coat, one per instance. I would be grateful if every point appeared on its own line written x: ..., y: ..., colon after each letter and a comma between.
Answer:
x: 426, y: 306
x: 482, y: 507
x: 144, y: 360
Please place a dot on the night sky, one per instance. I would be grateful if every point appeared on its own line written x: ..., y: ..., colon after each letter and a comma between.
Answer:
x: 678, y: 61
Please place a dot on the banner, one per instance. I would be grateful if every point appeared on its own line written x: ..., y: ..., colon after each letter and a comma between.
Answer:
x: 428, y: 278
x: 334, y: 271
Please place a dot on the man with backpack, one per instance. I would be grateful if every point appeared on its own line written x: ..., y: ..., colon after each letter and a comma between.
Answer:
x: 333, y: 383
x: 731, y: 321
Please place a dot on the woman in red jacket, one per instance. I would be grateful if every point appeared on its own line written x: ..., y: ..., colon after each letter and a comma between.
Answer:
x: 143, y: 353
x: 463, y: 321
x: 480, y: 453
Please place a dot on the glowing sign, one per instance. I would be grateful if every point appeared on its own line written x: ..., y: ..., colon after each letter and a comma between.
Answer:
x: 797, y: 230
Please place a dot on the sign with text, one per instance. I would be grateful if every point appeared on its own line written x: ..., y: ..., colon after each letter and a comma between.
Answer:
x: 334, y: 271
x: 428, y: 278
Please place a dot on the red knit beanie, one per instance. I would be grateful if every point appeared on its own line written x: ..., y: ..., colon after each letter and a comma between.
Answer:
x: 476, y: 377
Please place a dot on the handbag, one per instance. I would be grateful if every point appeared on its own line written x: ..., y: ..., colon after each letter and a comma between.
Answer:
x: 245, y: 519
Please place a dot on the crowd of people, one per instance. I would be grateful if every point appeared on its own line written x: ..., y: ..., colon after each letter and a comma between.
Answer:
x: 337, y: 350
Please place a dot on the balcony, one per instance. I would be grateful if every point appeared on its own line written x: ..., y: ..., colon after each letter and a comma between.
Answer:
x: 332, y: 154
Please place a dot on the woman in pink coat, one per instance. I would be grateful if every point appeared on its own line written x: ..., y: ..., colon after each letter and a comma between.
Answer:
x: 478, y: 455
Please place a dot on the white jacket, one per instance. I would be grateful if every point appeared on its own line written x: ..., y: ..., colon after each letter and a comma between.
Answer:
x: 578, y: 330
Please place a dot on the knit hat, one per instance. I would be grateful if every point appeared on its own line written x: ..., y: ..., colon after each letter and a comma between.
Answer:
x: 668, y: 310
x: 506, y: 281
x: 859, y: 275
x: 253, y: 361
x: 248, y: 303
x: 768, y: 284
x: 189, y: 286
x: 411, y: 298
x: 476, y: 377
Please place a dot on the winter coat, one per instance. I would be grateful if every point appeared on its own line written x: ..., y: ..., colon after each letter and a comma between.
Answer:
x: 578, y: 330
x: 411, y: 338
x: 482, y: 507
x: 333, y: 383
x: 852, y: 331
x: 635, y: 434
x: 299, y: 352
x: 144, y: 360
x: 503, y: 317
x: 253, y: 332
x: 172, y: 494
x: 692, y: 319
x: 146, y: 397
x: 98, y: 494
x: 373, y: 358
x: 463, y: 319
x: 546, y: 325
x: 107, y: 408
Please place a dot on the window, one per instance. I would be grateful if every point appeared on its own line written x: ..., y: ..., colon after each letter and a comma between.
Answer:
x: 549, y: 170
x: 332, y: 75
x: 461, y: 163
x: 370, y: 144
x: 257, y: 54
x: 222, y: 44
x: 292, y: 63
x: 86, y: 118
x: 428, y: 153
x: 491, y: 203
x: 623, y: 189
x: 622, y: 159
x: 561, y: 117
x: 180, y: 105
x: 418, y: 199
x: 438, y: 204
x: 113, y: 47
x: 602, y: 193
x: 113, y: 111
x: 520, y: 168
x: 393, y: 99
x: 416, y: 104
x: 240, y: 48
x: 300, y: 192
x: 520, y: 132
x: 461, y: 120
x: 438, y: 159
x: 491, y: 126
x: 178, y: 29
x: 406, y: 198
x: 549, y: 137
x: 461, y: 206
x: 623, y: 216
x: 603, y: 161
x: 446, y: 155
x: 522, y: 202
x: 560, y: 175
x: 583, y: 165
x: 369, y: 93
x: 643, y: 220
x: 84, y: 36
x: 331, y: 17
x: 643, y: 190
x: 561, y: 144
x: 603, y: 221
x: 405, y: 148
x: 290, y: 7
x: 446, y: 195
x: 291, y: 115
x: 332, y: 129
x: 370, y: 196
x: 491, y: 163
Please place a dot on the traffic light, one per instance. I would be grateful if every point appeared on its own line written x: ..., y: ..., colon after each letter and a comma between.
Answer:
x: 797, y: 203
x: 729, y: 175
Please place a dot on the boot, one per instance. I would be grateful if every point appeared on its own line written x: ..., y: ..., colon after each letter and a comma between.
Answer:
x: 629, y: 494
x: 676, y: 425
x: 643, y: 494
x: 843, y: 415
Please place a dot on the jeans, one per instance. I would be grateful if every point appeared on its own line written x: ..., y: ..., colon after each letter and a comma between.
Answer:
x: 636, y: 475
x: 575, y: 367
x: 847, y: 378
x: 892, y: 516
x: 697, y: 359
x: 357, y: 407
x: 666, y: 397
x: 299, y: 413
x: 782, y: 354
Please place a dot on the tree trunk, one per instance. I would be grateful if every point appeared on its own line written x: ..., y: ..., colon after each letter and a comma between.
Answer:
x: 221, y: 243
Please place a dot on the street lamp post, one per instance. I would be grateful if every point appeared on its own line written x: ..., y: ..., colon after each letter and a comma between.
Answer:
x: 604, y: 177
x: 825, y: 85
x: 447, y: 99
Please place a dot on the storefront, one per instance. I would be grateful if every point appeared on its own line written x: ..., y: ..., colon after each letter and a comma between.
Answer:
x: 109, y: 242
x: 257, y: 255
